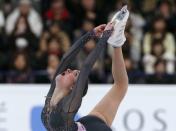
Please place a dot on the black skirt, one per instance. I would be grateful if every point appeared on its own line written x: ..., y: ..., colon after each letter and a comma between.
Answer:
x: 93, y: 123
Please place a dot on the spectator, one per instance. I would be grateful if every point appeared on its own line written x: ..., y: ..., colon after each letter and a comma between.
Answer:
x: 7, y: 7
x: 59, y: 13
x: 53, y: 62
x: 158, y: 52
x: 165, y: 10
x: 86, y: 9
x: 159, y: 31
x: 41, y: 55
x: 56, y: 31
x: 25, y: 11
x: 55, y: 47
x: 148, y: 10
x: 136, y: 30
x: 134, y: 73
x: 22, y: 37
x: 51, y: 46
x: 20, y: 71
x: 46, y: 75
x: 87, y: 26
x: 160, y: 76
x: 89, y: 10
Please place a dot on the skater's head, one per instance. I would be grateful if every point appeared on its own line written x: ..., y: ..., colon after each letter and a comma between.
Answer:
x: 68, y: 79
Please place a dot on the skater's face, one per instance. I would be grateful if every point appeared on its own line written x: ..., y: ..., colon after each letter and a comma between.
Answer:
x: 68, y: 78
x: 71, y: 74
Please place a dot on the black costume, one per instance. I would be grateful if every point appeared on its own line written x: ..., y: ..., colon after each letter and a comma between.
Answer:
x: 61, y: 118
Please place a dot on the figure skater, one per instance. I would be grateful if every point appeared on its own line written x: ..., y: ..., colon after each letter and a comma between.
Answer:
x: 70, y: 86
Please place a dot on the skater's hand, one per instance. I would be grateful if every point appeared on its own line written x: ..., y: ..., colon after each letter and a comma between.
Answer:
x: 99, y: 30
x: 109, y: 26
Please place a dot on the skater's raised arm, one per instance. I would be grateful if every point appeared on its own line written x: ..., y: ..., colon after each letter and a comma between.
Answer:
x: 107, y: 108
x: 74, y: 50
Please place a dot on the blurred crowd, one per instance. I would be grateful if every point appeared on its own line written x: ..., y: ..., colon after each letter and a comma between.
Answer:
x: 33, y: 40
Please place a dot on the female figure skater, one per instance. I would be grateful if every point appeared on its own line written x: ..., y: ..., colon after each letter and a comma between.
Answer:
x: 69, y: 86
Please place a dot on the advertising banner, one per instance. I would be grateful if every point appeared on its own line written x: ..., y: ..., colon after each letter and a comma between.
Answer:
x: 145, y: 108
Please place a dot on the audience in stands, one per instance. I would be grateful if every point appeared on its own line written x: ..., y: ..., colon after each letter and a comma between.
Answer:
x: 134, y: 74
x: 26, y: 12
x: 60, y: 14
x: 20, y: 71
x: 7, y: 7
x: 158, y: 51
x: 159, y: 31
x: 53, y: 62
x: 160, y: 76
x: 32, y: 42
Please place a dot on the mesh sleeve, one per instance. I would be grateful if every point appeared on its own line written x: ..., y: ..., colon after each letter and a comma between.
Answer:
x: 69, y: 57
x: 73, y: 102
